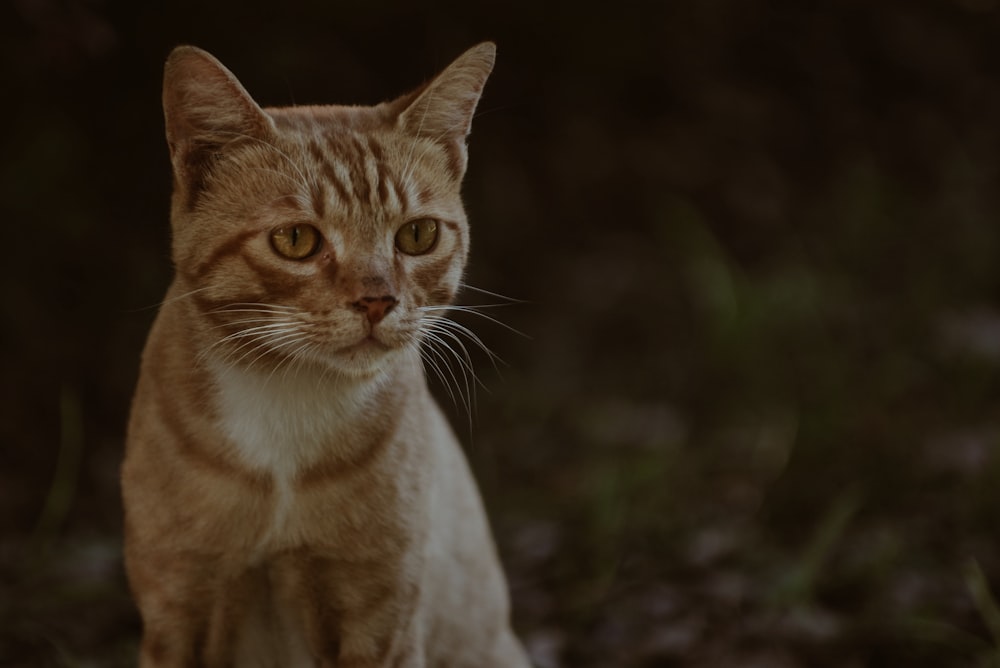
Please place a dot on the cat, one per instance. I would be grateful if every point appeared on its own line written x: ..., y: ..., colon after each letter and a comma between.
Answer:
x: 293, y: 495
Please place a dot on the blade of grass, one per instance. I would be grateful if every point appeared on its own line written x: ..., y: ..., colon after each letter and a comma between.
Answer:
x: 799, y: 584
x: 985, y: 602
x: 68, y: 461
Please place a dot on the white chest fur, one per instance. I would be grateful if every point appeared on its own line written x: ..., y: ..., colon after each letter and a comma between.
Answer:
x: 281, y: 424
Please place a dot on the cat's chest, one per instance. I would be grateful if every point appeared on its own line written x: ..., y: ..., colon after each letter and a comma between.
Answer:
x: 281, y: 427
x: 279, y: 424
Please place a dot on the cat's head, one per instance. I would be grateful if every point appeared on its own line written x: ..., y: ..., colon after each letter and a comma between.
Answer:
x: 326, y: 235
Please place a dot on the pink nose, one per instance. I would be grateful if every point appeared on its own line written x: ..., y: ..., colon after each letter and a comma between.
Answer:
x: 375, y: 308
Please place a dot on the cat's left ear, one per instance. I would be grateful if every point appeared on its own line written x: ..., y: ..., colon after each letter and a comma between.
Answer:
x: 443, y: 109
x: 205, y: 108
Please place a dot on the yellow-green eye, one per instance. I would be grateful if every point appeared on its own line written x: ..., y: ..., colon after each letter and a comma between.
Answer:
x: 296, y: 242
x: 417, y: 236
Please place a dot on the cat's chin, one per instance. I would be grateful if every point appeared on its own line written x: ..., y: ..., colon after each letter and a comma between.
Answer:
x: 365, y: 359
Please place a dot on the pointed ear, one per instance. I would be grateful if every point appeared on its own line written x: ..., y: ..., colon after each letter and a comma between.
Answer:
x: 443, y: 109
x: 205, y: 108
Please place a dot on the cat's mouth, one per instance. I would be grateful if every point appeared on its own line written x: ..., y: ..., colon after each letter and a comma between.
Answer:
x: 364, y: 356
x: 370, y: 343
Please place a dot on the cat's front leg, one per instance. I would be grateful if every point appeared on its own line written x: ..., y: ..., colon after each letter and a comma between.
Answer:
x: 188, y: 617
x: 376, y: 636
x: 379, y: 627
x: 362, y: 649
x: 350, y: 613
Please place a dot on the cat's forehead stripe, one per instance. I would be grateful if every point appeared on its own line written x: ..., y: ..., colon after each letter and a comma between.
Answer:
x: 317, y: 198
x: 400, y: 195
x: 356, y: 167
x: 352, y: 154
x: 377, y: 152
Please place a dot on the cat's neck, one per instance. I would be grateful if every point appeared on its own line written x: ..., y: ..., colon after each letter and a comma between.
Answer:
x: 285, y: 423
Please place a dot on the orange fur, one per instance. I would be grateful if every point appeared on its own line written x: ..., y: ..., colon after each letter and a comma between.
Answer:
x: 293, y: 495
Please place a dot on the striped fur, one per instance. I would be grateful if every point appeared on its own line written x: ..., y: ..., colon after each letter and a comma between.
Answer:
x: 293, y: 495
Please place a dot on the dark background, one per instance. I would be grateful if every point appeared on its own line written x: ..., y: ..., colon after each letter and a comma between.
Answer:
x: 757, y: 244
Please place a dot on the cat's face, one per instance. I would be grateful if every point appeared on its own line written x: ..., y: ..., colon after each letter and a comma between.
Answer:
x: 323, y: 243
x: 329, y: 236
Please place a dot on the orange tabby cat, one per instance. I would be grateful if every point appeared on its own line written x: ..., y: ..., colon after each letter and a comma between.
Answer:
x: 293, y: 495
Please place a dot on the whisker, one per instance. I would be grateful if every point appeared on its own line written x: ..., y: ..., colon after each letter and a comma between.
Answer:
x: 252, y: 340
x: 455, y: 328
x: 438, y: 336
x: 296, y: 359
x: 239, y: 307
x: 465, y: 358
x: 249, y: 321
x: 428, y: 355
x: 258, y: 332
x: 448, y: 307
x: 433, y: 341
x: 168, y: 301
x: 267, y: 344
x: 256, y: 341
x: 512, y: 300
x: 286, y: 361
x: 473, y: 310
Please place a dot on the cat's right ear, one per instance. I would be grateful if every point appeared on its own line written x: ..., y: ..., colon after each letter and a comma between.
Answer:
x: 442, y: 110
x: 205, y: 107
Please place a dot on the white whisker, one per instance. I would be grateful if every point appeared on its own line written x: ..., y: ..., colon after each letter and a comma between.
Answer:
x: 434, y: 342
x: 268, y: 326
x: 297, y: 358
x: 443, y: 346
x: 474, y: 311
x: 454, y: 329
x: 439, y: 334
x: 254, y: 307
x: 428, y: 354
x: 171, y: 300
x: 288, y: 357
x: 466, y: 286
x: 268, y: 344
x: 258, y: 332
x: 465, y: 367
x: 249, y: 321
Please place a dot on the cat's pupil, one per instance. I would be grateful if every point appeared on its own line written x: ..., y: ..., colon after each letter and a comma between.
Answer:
x: 295, y: 236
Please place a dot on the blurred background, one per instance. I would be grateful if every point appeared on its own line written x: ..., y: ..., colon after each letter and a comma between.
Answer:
x: 755, y: 243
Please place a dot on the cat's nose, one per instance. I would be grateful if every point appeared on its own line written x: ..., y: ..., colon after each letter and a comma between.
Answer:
x: 375, y: 308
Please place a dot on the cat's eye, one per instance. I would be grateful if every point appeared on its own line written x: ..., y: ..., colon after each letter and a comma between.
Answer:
x: 417, y: 236
x: 295, y: 242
